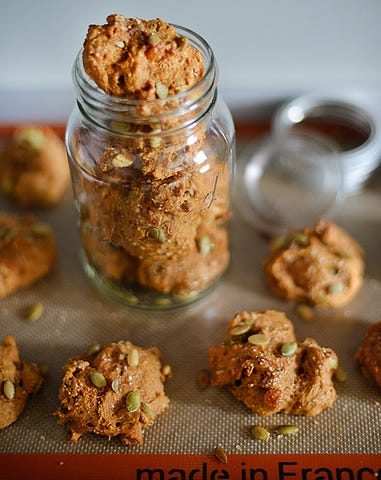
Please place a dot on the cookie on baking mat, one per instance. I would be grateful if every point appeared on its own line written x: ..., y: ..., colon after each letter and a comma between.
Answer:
x: 33, y: 167
x: 18, y: 380
x: 321, y: 265
x: 368, y: 356
x: 262, y: 364
x: 114, y: 390
x: 28, y: 251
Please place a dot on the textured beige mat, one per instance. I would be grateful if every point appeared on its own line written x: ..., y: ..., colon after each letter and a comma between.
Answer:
x: 76, y: 315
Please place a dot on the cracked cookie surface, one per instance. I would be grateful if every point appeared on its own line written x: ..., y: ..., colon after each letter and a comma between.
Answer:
x: 140, y: 59
x: 33, y: 167
x: 368, y: 356
x: 321, y: 265
x: 18, y: 380
x: 116, y: 391
x: 28, y: 252
x: 263, y: 365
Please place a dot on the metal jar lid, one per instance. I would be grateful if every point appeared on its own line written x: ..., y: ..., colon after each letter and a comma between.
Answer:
x: 356, y: 131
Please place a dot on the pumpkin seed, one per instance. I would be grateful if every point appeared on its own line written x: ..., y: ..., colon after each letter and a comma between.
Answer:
x: 155, y: 142
x: 133, y: 357
x: 305, y: 312
x: 340, y: 374
x: 242, y: 327
x: 120, y: 161
x: 98, y: 379
x: 337, y: 287
x: 120, y: 44
x: 204, y: 245
x: 161, y: 90
x: 203, y: 379
x: 220, y: 455
x: 154, y: 39
x: 155, y: 233
x: 133, y: 401
x: 301, y: 238
x: 93, y: 349
x: 279, y: 242
x: 34, y: 312
x: 259, y: 339
x: 163, y: 301
x: 33, y: 138
x: 286, y: 429
x: 260, y: 432
x: 289, y: 348
x: 41, y: 229
x: 9, y: 390
x: 166, y: 370
x: 147, y: 410
x: 333, y: 363
x: 115, y: 385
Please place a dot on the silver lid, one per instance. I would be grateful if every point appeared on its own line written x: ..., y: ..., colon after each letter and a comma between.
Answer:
x: 356, y: 131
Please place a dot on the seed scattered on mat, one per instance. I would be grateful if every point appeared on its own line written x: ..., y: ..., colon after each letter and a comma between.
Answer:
x: 305, y: 312
x: 286, y: 429
x: 34, y: 312
x: 220, y: 455
x: 340, y: 374
x: 260, y: 433
x: 166, y: 370
x: 203, y: 379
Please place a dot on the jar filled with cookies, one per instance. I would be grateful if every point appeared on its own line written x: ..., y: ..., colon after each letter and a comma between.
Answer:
x: 151, y: 152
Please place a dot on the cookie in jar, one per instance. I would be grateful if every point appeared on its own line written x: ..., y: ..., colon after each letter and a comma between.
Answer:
x: 151, y: 152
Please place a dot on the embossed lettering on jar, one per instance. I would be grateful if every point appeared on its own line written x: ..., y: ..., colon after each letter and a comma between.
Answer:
x: 151, y: 181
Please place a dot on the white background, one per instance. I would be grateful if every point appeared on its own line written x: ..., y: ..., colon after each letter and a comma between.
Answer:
x: 266, y: 49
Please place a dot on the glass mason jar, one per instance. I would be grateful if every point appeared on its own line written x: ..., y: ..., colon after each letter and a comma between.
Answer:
x: 151, y: 183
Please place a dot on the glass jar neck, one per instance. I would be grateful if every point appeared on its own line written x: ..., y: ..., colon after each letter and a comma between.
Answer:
x: 177, y: 111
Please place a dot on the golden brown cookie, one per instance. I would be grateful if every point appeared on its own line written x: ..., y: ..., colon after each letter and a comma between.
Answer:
x: 140, y: 59
x: 18, y: 380
x: 28, y: 252
x: 263, y: 365
x: 322, y: 265
x: 116, y: 390
x: 368, y: 356
x: 33, y: 167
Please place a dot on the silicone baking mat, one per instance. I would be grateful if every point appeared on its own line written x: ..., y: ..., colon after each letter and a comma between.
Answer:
x: 76, y: 315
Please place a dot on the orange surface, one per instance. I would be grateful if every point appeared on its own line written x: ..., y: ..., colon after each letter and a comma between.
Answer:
x: 190, y: 467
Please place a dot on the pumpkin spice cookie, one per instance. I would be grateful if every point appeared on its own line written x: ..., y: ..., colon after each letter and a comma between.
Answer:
x: 321, y: 265
x: 28, y: 252
x: 114, y: 390
x: 18, y: 380
x: 368, y: 356
x: 263, y: 365
x: 33, y: 167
